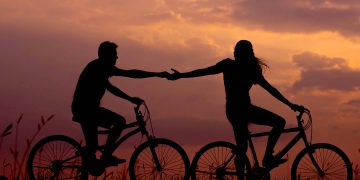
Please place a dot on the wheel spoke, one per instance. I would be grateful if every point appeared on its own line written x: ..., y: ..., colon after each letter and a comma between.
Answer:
x: 55, y: 157
x: 331, y: 160
x: 215, y: 160
x: 172, y: 162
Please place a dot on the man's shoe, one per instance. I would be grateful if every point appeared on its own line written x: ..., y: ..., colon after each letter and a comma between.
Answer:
x: 271, y: 161
x: 112, y: 160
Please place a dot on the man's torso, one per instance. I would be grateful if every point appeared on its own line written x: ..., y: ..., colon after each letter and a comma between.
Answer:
x: 91, y: 87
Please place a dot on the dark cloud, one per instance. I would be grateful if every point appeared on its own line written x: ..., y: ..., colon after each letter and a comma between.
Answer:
x: 277, y: 15
x: 300, y: 16
x: 325, y: 73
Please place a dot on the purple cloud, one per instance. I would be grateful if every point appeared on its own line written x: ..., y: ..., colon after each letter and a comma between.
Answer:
x: 325, y: 73
x: 277, y: 15
x: 300, y: 16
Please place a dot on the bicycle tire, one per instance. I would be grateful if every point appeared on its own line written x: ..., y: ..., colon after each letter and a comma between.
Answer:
x: 208, y: 162
x: 174, y: 160
x: 44, y: 161
x: 331, y: 160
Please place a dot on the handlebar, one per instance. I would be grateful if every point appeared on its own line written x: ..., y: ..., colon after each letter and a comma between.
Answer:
x: 143, y: 117
x: 302, y: 111
x: 137, y: 107
x: 305, y: 123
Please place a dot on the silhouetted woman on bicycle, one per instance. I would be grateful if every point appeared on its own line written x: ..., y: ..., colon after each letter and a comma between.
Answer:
x: 239, y: 76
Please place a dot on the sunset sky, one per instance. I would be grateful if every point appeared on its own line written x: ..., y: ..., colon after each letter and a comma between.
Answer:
x: 311, y: 46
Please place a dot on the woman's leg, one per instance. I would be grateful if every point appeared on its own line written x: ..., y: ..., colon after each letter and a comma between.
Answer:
x: 261, y: 116
x: 241, y: 134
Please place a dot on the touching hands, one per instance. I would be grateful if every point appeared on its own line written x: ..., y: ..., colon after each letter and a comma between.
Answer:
x: 164, y: 74
x: 174, y: 76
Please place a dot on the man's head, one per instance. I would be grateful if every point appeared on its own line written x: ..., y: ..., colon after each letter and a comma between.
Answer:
x: 107, y: 52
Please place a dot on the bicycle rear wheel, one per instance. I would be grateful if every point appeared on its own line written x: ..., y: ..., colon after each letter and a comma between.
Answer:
x: 331, y: 160
x: 217, y: 161
x: 55, y: 157
x: 172, y: 158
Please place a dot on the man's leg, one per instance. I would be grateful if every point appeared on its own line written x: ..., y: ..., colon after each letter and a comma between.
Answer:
x: 89, y: 129
x: 115, y: 123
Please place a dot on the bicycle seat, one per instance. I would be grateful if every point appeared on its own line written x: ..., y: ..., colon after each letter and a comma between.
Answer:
x: 77, y: 119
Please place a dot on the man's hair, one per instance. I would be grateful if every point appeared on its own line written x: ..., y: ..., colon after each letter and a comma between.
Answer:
x: 105, y: 48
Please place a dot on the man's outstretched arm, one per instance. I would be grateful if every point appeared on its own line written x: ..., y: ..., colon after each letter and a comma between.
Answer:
x: 134, y: 73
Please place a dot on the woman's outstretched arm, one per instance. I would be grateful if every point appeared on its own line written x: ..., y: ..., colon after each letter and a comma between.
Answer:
x: 274, y: 92
x: 215, y: 69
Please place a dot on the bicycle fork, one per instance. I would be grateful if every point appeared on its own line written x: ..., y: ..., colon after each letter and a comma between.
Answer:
x: 154, y: 155
x: 310, y: 153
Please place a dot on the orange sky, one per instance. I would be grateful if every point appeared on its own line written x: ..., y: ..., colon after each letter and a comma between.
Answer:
x: 311, y: 47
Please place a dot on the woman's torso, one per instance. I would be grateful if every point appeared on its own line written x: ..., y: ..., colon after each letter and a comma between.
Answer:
x: 238, y: 80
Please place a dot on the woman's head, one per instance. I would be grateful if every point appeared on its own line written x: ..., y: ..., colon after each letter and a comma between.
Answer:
x: 243, y: 52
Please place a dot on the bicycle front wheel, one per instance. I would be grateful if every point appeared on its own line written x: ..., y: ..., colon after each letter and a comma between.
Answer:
x: 331, y: 163
x: 217, y: 161
x: 55, y: 157
x: 172, y: 159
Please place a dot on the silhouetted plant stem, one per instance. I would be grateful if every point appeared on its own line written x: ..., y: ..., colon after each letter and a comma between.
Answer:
x: 6, y: 132
x: 14, y: 151
x: 30, y: 141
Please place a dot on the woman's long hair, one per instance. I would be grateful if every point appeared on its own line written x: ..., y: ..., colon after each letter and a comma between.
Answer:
x: 244, y: 52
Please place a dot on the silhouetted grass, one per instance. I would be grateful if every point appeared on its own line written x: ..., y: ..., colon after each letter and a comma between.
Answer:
x: 14, y: 168
x: 5, y: 164
x: 356, y: 169
x: 122, y: 173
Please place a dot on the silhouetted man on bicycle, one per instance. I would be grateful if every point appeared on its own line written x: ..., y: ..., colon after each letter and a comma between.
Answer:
x: 91, y: 86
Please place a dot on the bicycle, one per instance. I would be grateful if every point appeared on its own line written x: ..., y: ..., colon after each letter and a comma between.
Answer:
x: 216, y: 160
x: 61, y: 157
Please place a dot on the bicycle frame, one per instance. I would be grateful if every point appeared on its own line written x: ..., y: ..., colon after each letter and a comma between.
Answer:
x: 158, y: 157
x: 140, y: 129
x: 300, y: 135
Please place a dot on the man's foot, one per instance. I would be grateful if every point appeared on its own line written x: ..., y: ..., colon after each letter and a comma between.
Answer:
x: 271, y: 161
x: 112, y: 160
